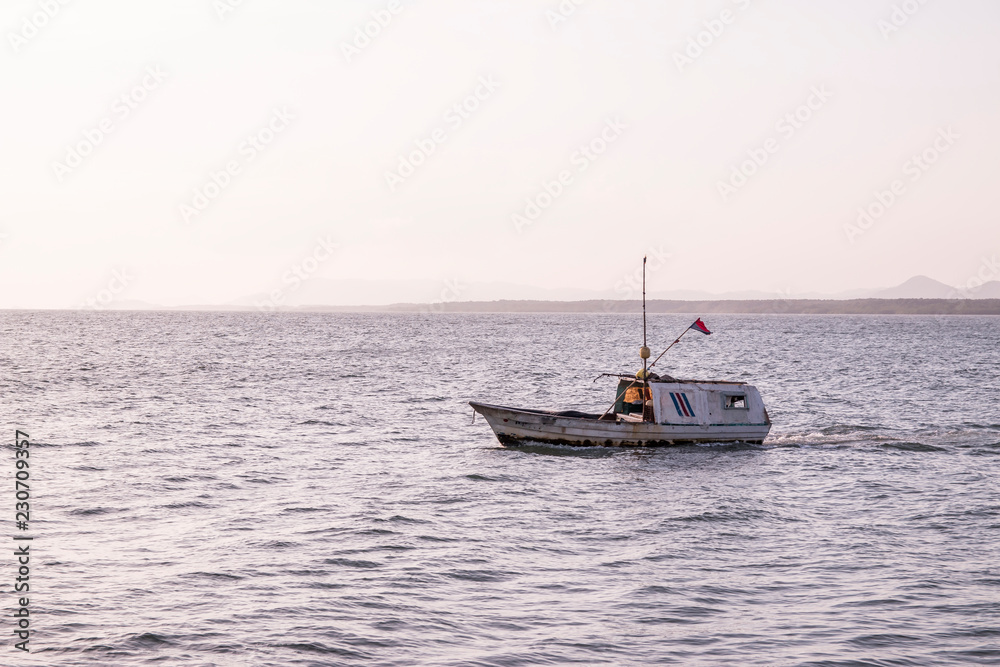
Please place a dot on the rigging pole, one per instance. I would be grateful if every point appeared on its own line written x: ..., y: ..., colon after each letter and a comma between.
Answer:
x: 644, y: 309
x: 644, y: 351
x: 641, y: 376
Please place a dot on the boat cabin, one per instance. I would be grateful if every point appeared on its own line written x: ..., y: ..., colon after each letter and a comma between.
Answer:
x: 690, y: 402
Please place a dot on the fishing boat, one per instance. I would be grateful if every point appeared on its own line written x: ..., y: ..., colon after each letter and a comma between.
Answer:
x: 649, y: 409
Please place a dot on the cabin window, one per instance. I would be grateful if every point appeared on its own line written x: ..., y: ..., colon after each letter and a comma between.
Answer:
x: 734, y: 401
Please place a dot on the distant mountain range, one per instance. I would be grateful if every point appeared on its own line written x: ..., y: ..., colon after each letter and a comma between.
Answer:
x: 325, y: 294
x: 922, y: 287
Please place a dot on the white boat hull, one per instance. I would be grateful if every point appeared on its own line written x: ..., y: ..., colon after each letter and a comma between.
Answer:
x: 514, y: 426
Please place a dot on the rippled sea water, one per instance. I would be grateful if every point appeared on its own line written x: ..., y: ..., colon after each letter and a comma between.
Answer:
x: 309, y: 489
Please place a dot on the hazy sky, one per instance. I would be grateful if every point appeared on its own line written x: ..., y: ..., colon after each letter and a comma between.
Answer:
x: 118, y: 113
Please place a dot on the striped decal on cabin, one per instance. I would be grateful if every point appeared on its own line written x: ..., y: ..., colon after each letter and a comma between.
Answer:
x: 685, y: 397
x: 681, y: 404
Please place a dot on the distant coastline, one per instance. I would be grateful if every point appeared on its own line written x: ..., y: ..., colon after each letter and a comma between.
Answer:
x: 654, y: 306
x: 610, y: 306
x: 735, y: 307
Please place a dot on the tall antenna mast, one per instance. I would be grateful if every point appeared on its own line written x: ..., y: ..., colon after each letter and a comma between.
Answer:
x: 644, y: 308
x: 644, y: 351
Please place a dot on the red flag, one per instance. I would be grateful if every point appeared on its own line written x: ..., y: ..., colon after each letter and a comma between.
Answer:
x: 700, y: 326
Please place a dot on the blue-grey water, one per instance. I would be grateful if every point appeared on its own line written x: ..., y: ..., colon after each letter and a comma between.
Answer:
x: 309, y: 489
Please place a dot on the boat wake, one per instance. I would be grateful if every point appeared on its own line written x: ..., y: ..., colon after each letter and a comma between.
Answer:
x: 911, y: 440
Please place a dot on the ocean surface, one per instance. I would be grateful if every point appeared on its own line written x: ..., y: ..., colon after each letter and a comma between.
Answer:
x: 310, y: 489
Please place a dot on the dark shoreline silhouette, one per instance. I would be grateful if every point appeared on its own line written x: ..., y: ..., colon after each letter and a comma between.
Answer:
x: 779, y: 306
